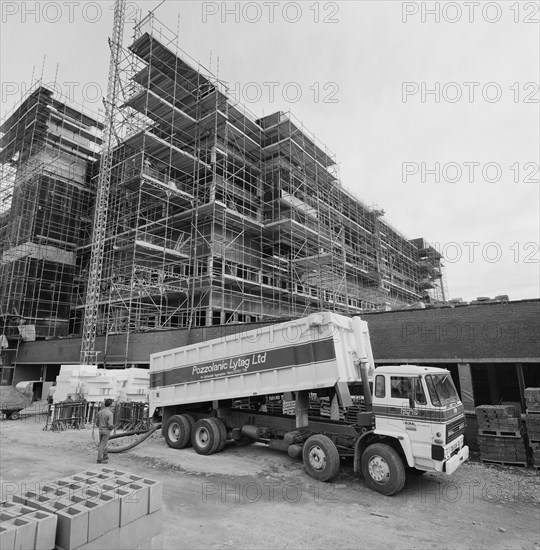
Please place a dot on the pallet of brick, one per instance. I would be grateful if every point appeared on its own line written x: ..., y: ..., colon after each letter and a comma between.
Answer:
x: 289, y: 407
x: 532, y: 400
x: 93, y: 509
x: 535, y: 451
x: 501, y: 420
x: 502, y: 450
x: 532, y: 422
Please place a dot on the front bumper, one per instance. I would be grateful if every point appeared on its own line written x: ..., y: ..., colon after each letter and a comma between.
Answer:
x: 455, y: 461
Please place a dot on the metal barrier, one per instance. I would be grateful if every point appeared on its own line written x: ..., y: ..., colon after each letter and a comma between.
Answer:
x: 131, y: 416
x: 76, y: 414
x: 66, y: 415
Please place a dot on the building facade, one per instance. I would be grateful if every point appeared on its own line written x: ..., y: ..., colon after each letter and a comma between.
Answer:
x: 215, y: 217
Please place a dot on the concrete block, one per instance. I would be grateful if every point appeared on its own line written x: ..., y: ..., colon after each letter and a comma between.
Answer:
x: 38, y: 502
x: 7, y: 536
x: 53, y: 491
x: 133, y: 502
x: 25, y: 533
x: 7, y: 516
x: 114, y: 472
x: 114, y: 483
x: 104, y: 516
x: 45, y: 529
x: 7, y: 505
x: 130, y: 478
x: 92, y: 493
x: 48, y: 505
x: 89, y: 473
x: 72, y: 527
x: 102, y: 478
x: 155, y: 494
x: 74, y: 489
x: 143, y: 534
x: 107, y: 470
x: 77, y: 478
x: 22, y: 499
x: 21, y: 510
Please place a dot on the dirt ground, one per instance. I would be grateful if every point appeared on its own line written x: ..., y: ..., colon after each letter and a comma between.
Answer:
x: 254, y: 497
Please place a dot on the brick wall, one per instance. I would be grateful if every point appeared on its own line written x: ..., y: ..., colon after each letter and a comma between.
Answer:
x: 491, y: 331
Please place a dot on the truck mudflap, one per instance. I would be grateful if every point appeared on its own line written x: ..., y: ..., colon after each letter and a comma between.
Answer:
x: 455, y: 461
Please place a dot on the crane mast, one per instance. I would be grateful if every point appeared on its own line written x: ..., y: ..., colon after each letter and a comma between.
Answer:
x: 88, y: 352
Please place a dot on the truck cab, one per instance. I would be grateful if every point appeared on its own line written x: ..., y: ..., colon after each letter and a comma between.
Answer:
x: 420, y: 407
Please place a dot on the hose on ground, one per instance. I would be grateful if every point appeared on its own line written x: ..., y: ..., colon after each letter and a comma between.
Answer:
x: 135, y: 443
x: 126, y: 434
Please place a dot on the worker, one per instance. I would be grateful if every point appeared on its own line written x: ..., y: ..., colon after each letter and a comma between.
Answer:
x: 105, y: 424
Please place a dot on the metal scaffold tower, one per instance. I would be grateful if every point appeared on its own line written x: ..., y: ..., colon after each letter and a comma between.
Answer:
x: 88, y: 353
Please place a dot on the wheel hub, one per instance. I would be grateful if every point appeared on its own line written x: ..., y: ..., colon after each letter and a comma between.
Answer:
x: 174, y: 432
x: 317, y: 458
x: 202, y: 437
x: 378, y: 469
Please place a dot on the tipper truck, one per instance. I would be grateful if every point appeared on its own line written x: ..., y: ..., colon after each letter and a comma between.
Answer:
x: 309, y: 387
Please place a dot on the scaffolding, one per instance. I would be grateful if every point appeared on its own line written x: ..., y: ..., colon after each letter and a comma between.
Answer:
x: 216, y: 216
x: 47, y: 151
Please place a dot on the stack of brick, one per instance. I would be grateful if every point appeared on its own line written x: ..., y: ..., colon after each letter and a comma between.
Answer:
x: 532, y: 399
x: 500, y: 437
x: 532, y: 421
x: 104, y: 508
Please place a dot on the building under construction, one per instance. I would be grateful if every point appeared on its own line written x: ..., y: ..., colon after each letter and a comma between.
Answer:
x: 215, y: 216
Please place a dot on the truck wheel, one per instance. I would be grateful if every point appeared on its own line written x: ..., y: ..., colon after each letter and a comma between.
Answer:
x: 321, y: 458
x: 205, y: 436
x: 178, y: 432
x: 14, y: 416
x: 383, y: 469
x: 222, y: 433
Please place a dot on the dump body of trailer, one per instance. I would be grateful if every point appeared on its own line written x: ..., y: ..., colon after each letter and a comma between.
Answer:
x: 319, y: 351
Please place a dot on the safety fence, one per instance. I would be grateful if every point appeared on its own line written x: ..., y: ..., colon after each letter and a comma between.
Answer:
x: 76, y: 414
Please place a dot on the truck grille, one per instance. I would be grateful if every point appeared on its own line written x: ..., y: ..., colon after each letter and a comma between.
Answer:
x: 455, y: 428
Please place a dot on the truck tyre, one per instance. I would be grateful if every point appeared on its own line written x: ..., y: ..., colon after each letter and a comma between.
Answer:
x: 383, y: 469
x: 222, y: 433
x: 191, y: 421
x: 178, y: 432
x: 321, y: 458
x: 205, y: 436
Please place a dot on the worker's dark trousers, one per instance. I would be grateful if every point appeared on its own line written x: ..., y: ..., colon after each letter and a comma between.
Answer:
x: 102, y: 446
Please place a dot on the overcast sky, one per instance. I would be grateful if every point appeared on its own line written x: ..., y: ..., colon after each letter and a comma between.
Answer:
x: 431, y: 108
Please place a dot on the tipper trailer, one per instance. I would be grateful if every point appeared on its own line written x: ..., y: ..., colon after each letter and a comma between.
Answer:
x: 320, y: 368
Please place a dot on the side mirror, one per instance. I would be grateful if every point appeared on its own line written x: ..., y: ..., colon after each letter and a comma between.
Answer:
x: 411, y: 399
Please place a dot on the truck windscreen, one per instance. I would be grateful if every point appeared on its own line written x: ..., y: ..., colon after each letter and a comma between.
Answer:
x: 441, y: 389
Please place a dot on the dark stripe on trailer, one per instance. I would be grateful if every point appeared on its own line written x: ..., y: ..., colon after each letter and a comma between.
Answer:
x: 311, y: 353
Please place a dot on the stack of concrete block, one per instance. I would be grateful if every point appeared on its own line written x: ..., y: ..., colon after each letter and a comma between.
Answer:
x: 104, y: 508
x: 26, y: 528
x: 97, y: 384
